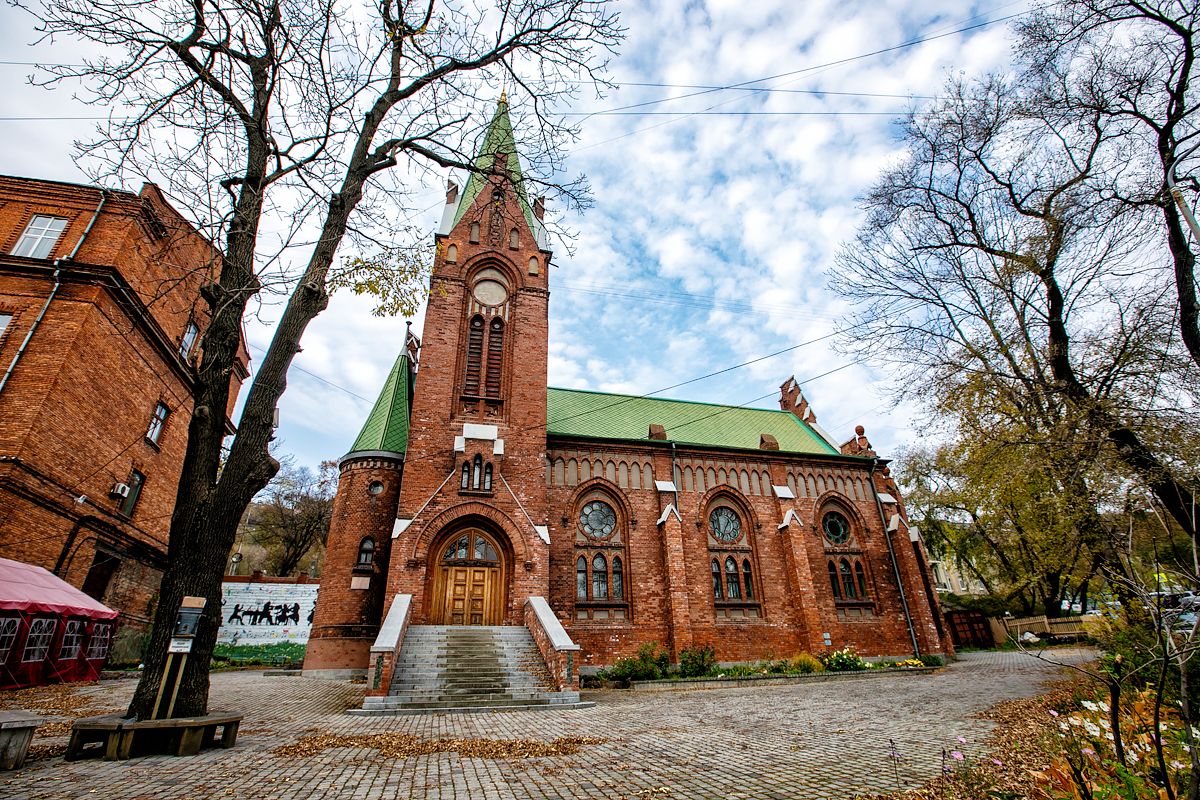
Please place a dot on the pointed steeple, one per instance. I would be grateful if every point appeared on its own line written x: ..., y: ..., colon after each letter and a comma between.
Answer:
x: 498, y: 141
x: 386, y: 428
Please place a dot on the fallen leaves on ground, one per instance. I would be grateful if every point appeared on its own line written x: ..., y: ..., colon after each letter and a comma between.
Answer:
x: 1014, y: 752
x: 405, y: 745
x: 59, y: 700
x: 40, y: 751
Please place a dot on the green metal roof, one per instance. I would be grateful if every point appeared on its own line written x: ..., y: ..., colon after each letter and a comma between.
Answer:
x: 499, y: 139
x: 599, y: 415
x: 386, y: 428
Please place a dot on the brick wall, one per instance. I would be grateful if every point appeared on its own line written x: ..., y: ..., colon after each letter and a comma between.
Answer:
x: 75, y: 412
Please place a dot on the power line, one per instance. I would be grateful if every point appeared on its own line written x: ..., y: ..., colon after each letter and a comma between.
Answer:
x: 792, y: 73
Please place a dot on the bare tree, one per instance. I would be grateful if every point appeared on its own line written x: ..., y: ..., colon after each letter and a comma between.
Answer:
x: 274, y: 115
x: 997, y: 277
x: 1134, y: 64
x: 290, y: 518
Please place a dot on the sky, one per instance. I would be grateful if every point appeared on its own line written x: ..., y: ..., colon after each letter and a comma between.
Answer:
x: 715, y: 220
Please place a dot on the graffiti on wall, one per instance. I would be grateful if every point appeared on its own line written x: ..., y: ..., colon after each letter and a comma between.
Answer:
x: 266, y: 613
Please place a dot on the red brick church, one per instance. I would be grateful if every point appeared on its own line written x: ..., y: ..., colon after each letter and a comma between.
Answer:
x: 478, y: 496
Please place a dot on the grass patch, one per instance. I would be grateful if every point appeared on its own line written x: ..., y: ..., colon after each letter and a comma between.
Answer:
x: 236, y: 656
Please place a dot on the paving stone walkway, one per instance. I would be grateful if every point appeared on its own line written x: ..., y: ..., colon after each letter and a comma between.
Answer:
x: 820, y: 740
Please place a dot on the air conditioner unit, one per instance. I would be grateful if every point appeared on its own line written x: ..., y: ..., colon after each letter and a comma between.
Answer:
x: 119, y: 490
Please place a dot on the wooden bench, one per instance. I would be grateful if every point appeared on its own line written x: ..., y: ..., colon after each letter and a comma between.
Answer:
x: 181, y: 737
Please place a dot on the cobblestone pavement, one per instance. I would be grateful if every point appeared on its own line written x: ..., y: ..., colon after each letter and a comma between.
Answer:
x: 817, y: 740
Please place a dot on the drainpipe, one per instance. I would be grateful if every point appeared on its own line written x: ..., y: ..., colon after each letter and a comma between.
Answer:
x: 887, y: 537
x: 53, y: 292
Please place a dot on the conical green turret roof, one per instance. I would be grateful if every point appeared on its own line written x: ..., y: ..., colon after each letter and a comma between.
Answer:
x: 386, y: 428
x: 499, y: 139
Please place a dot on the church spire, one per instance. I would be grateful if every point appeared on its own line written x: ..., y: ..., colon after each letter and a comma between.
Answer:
x: 497, y: 152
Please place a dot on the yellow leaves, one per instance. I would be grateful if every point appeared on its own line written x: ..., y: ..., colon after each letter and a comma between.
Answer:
x: 395, y: 277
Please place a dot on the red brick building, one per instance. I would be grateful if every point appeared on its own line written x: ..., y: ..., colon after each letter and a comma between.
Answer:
x: 474, y: 487
x: 101, y: 321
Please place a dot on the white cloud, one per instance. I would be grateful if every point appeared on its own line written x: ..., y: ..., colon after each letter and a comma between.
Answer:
x: 711, y: 235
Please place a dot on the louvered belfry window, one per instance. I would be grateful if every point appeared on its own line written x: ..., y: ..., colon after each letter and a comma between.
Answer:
x: 474, y: 356
x: 495, y: 358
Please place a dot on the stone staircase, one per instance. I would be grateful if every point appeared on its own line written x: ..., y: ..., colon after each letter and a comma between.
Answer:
x: 455, y: 668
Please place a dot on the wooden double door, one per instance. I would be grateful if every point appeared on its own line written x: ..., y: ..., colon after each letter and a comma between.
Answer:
x: 468, y: 587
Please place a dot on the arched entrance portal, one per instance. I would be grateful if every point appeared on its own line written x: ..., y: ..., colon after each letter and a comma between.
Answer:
x: 468, y: 585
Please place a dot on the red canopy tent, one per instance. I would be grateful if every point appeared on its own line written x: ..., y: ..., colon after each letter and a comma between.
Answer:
x: 50, y: 631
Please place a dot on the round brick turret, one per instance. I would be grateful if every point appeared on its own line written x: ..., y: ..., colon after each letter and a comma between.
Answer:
x: 350, y: 604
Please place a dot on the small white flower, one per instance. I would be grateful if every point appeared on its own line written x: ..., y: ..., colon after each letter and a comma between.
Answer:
x: 1092, y: 729
x: 1090, y: 706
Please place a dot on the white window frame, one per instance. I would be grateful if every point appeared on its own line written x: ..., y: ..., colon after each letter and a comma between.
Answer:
x: 40, y: 236
x: 6, y: 318
x: 37, y: 643
x: 157, y: 423
x: 72, y: 641
x: 101, y: 640
x: 9, y: 627
x: 187, y: 342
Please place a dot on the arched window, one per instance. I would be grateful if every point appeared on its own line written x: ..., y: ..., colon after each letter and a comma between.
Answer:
x: 599, y: 578
x: 746, y: 579
x: 452, y: 253
x: 476, y: 471
x: 514, y: 239
x: 487, y: 478
x: 466, y: 476
x: 495, y: 358
x: 716, y: 578
x: 732, y: 587
x: 474, y: 233
x: 848, y: 590
x: 366, y: 552
x: 861, y: 575
x: 600, y: 558
x: 836, y: 527
x: 474, y: 356
x: 833, y: 582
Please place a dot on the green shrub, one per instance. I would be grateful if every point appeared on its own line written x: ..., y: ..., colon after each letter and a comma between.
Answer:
x: 650, y: 663
x: 931, y: 660
x: 805, y: 663
x: 741, y: 671
x: 844, y: 660
x: 695, y: 662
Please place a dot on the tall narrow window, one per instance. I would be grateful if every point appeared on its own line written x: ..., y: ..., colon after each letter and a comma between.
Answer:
x: 731, y: 579
x: 188, y: 341
x: 514, y: 239
x: 834, y: 586
x: 862, y: 579
x: 749, y: 583
x: 495, y: 358
x: 474, y: 233
x: 4, y: 320
x: 716, y: 578
x: 487, y: 478
x: 581, y: 578
x: 157, y: 421
x: 847, y: 580
x: 136, y: 480
x: 599, y: 578
x: 618, y: 580
x: 39, y: 237
x: 476, y: 471
x: 474, y: 356
x: 366, y: 552
x: 466, y: 475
